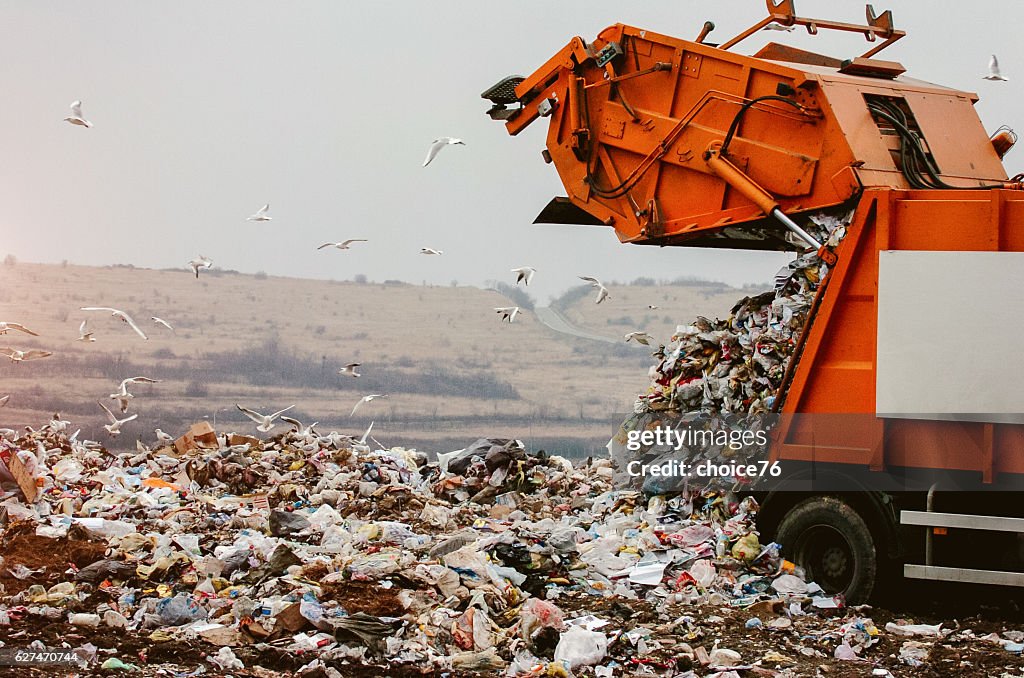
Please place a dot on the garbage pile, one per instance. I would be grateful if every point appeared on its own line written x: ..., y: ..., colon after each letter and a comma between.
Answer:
x: 726, y: 375
x: 322, y: 554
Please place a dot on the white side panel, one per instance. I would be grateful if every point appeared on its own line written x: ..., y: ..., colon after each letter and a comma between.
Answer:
x: 951, y: 335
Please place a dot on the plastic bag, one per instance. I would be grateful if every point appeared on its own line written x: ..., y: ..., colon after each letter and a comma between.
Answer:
x: 374, y: 565
x: 579, y: 647
x: 179, y: 610
x: 226, y: 660
x: 538, y: 614
x: 746, y: 548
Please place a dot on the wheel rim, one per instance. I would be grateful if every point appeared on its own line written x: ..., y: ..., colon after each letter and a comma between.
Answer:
x: 826, y: 555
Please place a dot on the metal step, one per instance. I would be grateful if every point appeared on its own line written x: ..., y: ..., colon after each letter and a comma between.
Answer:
x: 963, y: 521
x: 960, y: 574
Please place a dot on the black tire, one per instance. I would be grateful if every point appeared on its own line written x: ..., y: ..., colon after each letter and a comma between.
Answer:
x: 831, y: 541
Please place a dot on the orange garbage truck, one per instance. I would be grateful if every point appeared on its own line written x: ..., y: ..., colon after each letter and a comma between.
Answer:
x: 900, y: 426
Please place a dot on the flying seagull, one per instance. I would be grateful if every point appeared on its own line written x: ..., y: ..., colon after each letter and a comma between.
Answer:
x: 343, y: 245
x: 993, y: 70
x: 76, y: 117
x: 125, y: 318
x: 7, y: 326
x: 202, y: 261
x: 778, y: 27
x: 303, y: 431
x: 82, y: 334
x: 362, y: 441
x: 261, y: 214
x: 3, y: 401
x: 161, y: 321
x: 114, y: 427
x: 430, y: 250
x: 122, y: 396
x: 602, y: 291
x: 652, y: 306
x: 524, y: 273
x: 350, y: 370
x: 508, y: 312
x: 365, y: 399
x: 438, y: 144
x: 264, y: 422
x: 17, y: 356
x: 640, y: 337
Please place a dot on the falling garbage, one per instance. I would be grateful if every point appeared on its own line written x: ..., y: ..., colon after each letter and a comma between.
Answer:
x: 717, y: 382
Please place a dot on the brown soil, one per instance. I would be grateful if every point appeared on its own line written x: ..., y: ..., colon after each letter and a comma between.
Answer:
x: 365, y: 597
x: 20, y: 546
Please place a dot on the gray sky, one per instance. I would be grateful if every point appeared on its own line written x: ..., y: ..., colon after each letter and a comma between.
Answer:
x: 205, y: 111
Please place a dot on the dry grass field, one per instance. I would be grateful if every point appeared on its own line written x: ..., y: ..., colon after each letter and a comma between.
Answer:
x: 627, y: 307
x: 452, y: 370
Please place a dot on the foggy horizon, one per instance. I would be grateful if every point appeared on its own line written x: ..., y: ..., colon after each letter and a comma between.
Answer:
x: 203, y: 113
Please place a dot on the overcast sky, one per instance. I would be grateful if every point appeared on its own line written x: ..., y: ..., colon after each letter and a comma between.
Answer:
x: 203, y: 111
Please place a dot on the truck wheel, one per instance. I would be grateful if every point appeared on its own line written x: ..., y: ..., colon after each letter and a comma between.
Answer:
x: 833, y: 544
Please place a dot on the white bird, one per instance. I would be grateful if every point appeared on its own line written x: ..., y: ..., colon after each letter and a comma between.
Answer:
x: 508, y: 312
x: 125, y: 318
x: 164, y: 438
x: 202, y: 261
x: 438, y: 144
x: 82, y: 334
x: 122, y: 396
x: 350, y: 370
x: 58, y: 425
x: 264, y: 422
x: 3, y: 401
x: 76, y: 117
x: 640, y: 337
x: 261, y: 214
x: 365, y: 399
x: 114, y: 427
x: 778, y: 27
x: 302, y: 431
x: 993, y: 70
x: 343, y: 245
x: 7, y: 326
x: 362, y: 441
x: 161, y: 321
x: 524, y: 273
x: 17, y: 356
x: 602, y: 291
x: 652, y: 306
x: 430, y: 250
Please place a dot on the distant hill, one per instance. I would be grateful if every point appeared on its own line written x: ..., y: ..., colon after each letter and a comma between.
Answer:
x: 453, y: 371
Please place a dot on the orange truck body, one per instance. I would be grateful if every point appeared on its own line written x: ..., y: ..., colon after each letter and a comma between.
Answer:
x: 637, y: 122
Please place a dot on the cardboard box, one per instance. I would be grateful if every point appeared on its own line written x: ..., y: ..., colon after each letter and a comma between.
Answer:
x: 199, y: 436
x: 239, y: 439
x: 17, y: 469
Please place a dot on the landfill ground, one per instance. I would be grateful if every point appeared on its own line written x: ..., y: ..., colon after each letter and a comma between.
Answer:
x: 953, y: 656
x: 58, y: 569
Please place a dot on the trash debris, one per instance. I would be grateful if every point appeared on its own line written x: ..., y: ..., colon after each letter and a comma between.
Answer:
x: 579, y: 647
x: 309, y: 552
